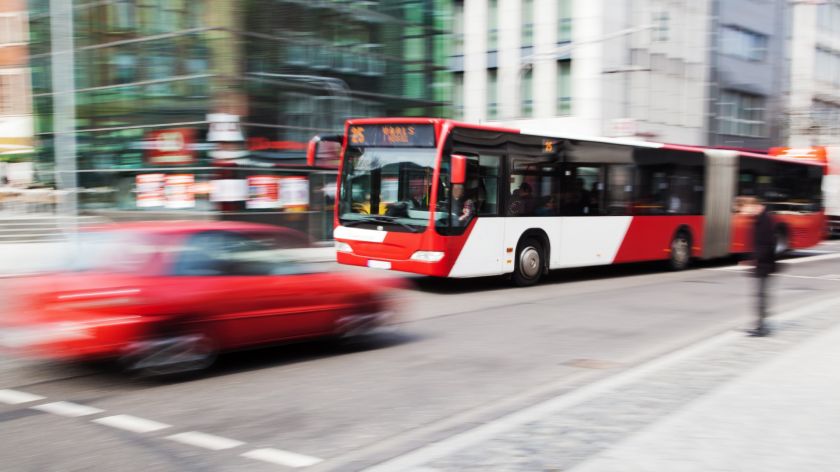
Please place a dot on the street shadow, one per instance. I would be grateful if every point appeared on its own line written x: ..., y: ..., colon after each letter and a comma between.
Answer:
x: 438, y: 285
x: 109, y: 377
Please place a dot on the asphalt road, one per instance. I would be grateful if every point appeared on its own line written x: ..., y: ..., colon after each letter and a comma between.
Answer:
x: 467, y: 351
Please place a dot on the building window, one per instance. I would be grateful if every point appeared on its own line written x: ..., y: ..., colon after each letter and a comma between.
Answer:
x: 564, y: 21
x: 123, y: 15
x: 660, y: 26
x: 527, y: 23
x: 743, y: 44
x: 458, y: 29
x: 564, y: 87
x: 12, y: 28
x: 493, y: 25
x: 825, y: 117
x: 827, y: 67
x: 741, y: 114
x: 527, y: 93
x: 13, y: 92
x: 492, y: 94
x: 458, y: 96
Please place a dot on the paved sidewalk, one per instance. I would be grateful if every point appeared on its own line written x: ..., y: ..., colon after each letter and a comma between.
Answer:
x: 729, y: 404
x: 784, y: 416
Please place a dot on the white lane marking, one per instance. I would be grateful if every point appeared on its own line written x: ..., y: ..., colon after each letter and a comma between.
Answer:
x: 482, y: 433
x: 822, y: 277
x: 276, y: 456
x: 131, y: 423
x: 798, y: 260
x: 16, y: 397
x: 801, y: 260
x: 207, y: 441
x: 732, y: 268
x: 69, y: 409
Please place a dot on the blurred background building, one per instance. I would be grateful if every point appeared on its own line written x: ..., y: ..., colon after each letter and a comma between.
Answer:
x: 202, y: 108
x: 813, y: 114
x: 152, y: 77
x: 706, y: 72
x: 15, y: 93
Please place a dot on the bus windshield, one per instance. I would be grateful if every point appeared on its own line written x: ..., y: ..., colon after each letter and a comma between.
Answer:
x: 389, y: 187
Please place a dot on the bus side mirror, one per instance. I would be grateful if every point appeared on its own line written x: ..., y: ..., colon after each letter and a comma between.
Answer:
x: 319, y: 154
x: 459, y: 169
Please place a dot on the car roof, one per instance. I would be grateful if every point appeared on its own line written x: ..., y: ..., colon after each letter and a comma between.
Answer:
x: 185, y: 227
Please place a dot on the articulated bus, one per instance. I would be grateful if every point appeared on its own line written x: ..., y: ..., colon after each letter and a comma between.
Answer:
x: 450, y: 199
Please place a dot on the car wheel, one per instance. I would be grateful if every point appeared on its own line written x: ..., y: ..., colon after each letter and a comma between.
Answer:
x: 170, y: 355
x: 782, y: 242
x: 529, y: 263
x: 680, y: 251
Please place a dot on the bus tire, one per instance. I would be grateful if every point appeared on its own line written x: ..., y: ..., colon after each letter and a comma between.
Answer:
x: 680, y: 257
x: 530, y: 262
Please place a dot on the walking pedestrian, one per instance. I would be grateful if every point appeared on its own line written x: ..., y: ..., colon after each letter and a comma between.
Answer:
x: 764, y: 258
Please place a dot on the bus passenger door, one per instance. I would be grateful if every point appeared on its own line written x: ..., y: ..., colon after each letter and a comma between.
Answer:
x: 483, y: 247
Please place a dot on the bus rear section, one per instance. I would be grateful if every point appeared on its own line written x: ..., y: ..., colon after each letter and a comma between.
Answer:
x: 451, y: 199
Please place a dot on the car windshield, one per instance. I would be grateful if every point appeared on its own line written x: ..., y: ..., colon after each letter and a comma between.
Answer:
x: 223, y: 253
x: 108, y: 251
x: 387, y: 187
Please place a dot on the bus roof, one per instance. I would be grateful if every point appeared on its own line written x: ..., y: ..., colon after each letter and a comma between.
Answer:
x: 622, y: 141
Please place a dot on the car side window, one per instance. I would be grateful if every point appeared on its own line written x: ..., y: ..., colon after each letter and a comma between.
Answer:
x: 222, y: 253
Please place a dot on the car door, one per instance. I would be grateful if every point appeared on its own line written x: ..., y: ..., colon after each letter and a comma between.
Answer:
x: 249, y: 289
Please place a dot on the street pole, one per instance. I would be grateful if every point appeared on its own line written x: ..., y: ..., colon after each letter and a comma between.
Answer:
x: 64, y: 113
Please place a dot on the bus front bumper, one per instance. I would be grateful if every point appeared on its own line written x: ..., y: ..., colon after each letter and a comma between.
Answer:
x: 440, y: 268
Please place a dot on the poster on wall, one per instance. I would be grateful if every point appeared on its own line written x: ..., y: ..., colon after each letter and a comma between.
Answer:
x: 150, y: 190
x: 294, y: 193
x: 263, y: 192
x: 167, y: 147
x: 229, y: 190
x: 179, y: 191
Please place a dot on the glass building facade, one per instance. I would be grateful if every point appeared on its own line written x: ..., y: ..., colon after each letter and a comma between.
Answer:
x: 147, y: 70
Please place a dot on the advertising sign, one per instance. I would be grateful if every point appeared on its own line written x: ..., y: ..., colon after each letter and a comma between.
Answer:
x: 179, y: 191
x: 263, y: 192
x: 294, y: 192
x: 168, y: 147
x: 150, y: 190
x: 229, y: 190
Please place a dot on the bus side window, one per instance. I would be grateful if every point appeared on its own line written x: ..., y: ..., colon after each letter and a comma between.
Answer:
x: 488, y: 185
x: 619, y: 190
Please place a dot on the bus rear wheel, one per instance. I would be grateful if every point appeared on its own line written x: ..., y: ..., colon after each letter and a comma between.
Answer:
x: 529, y: 263
x: 680, y: 251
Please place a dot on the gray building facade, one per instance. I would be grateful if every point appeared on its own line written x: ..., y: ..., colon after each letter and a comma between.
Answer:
x: 748, y: 82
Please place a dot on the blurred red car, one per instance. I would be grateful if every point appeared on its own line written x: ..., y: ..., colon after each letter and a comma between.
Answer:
x: 166, y: 297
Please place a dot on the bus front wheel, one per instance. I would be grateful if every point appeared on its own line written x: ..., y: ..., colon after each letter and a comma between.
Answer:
x: 529, y: 263
x: 680, y: 251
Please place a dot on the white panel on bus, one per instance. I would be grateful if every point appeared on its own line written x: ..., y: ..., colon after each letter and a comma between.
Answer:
x: 587, y: 241
x: 575, y: 241
x: 359, y: 234
x: 484, y: 251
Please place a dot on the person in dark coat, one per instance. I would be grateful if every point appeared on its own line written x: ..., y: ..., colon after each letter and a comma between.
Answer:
x: 764, y: 256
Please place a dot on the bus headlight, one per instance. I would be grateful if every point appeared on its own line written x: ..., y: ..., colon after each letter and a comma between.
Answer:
x: 427, y: 256
x: 342, y: 247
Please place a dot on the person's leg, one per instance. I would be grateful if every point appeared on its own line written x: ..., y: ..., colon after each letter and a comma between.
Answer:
x: 761, y: 326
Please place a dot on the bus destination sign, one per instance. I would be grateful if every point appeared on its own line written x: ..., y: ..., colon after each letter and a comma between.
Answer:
x: 392, y: 135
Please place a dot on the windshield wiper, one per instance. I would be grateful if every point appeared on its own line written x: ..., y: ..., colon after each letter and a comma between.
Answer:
x: 381, y: 219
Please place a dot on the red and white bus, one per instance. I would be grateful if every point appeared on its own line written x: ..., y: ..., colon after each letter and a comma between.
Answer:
x: 451, y: 199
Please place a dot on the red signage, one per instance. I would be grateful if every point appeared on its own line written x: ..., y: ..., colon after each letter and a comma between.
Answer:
x: 817, y: 153
x: 263, y: 144
x: 168, y: 147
